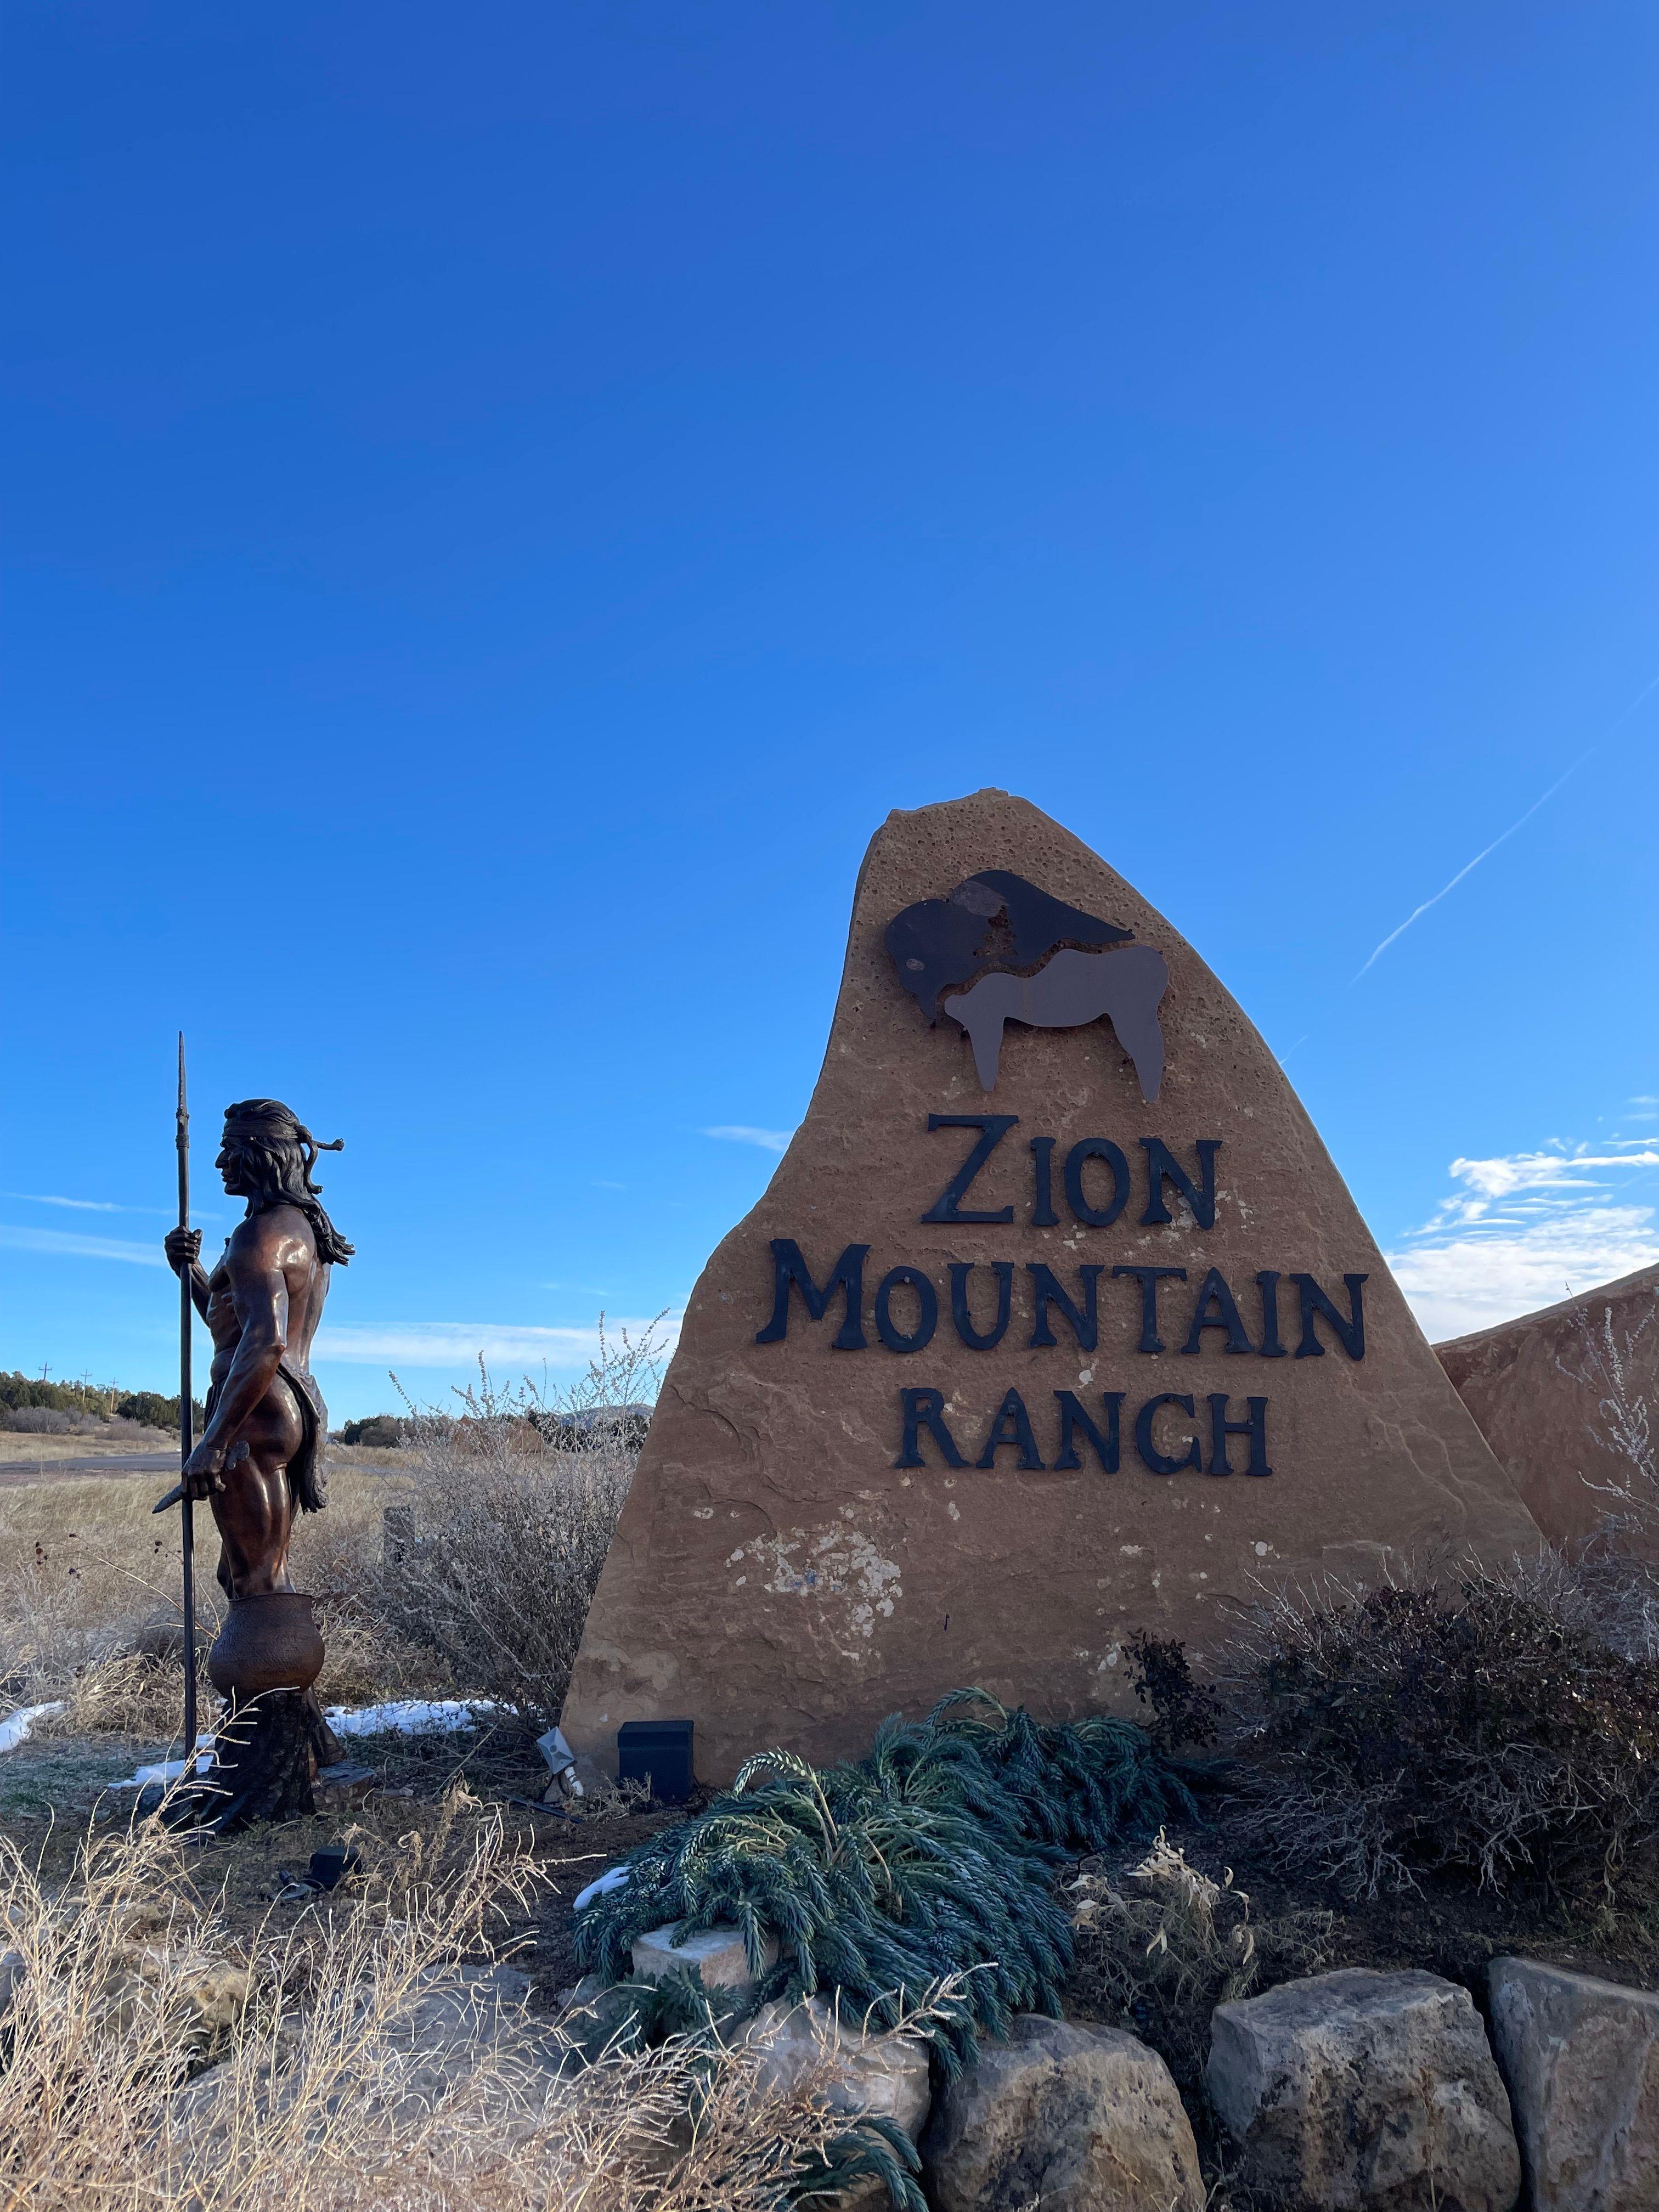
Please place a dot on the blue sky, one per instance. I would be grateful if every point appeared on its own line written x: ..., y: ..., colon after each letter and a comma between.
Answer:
x: 503, y: 500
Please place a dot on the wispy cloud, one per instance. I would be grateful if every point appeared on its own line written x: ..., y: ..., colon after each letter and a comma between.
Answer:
x: 1526, y: 1228
x: 739, y: 1133
x: 79, y: 1205
x: 64, y: 1244
x: 1469, y: 867
x: 1520, y: 823
x: 460, y: 1344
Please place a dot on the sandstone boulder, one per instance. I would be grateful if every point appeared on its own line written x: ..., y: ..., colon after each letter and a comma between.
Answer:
x: 1362, y: 2092
x: 886, y: 2074
x: 1544, y: 1389
x: 718, y: 1954
x: 1580, y: 2057
x: 1075, y: 2118
x: 463, y: 2039
x: 951, y: 1404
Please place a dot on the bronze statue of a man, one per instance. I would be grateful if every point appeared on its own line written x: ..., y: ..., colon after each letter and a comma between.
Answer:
x: 260, y: 1458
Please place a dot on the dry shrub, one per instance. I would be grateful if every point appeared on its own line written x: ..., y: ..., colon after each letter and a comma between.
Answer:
x: 1611, y: 1362
x: 1157, y: 1954
x: 336, y: 1555
x: 1485, y: 1729
x: 492, y: 1563
x: 350, y: 2059
x: 128, y: 1694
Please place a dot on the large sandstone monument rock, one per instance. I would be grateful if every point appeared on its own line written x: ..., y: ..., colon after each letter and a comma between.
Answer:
x: 1554, y: 1395
x: 1055, y: 1322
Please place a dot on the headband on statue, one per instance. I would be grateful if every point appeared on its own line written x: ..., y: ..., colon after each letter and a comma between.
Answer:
x: 267, y: 1122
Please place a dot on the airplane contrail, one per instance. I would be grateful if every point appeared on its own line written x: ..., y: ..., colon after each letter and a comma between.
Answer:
x: 1469, y: 867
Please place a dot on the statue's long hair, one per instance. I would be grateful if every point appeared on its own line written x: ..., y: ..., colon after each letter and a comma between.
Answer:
x: 279, y: 1153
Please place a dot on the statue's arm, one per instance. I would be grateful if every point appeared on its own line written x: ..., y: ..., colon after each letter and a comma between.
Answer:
x: 258, y: 1288
x: 184, y: 1249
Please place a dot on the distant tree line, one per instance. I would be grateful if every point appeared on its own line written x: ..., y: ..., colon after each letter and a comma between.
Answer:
x: 104, y: 1400
x: 381, y: 1429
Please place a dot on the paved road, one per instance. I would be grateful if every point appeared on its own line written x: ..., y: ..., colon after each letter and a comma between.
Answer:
x: 16, y: 1472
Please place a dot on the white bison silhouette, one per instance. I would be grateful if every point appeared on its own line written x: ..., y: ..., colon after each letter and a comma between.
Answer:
x: 1124, y: 984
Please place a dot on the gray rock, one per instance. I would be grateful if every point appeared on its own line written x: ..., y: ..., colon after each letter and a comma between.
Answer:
x: 886, y: 2074
x: 463, y: 2039
x: 12, y: 1968
x: 1582, y: 2060
x: 1361, y: 2092
x: 1079, y: 2119
x: 718, y: 1955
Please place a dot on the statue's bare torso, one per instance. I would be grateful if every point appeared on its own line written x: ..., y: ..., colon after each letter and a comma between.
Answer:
x: 262, y: 1305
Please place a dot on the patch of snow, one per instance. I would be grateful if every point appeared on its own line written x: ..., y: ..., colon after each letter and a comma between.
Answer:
x: 405, y: 1717
x: 169, y: 1769
x: 15, y: 1727
x: 613, y: 1878
x: 409, y: 1717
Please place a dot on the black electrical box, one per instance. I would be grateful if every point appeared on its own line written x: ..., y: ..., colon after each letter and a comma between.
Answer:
x: 659, y: 1753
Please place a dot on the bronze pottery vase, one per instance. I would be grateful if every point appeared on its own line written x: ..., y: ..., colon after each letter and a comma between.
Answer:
x: 268, y: 1642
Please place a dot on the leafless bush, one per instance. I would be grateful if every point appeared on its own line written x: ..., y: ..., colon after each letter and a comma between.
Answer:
x: 493, y: 1561
x: 42, y: 1421
x: 1160, y: 1948
x: 1606, y: 1360
x: 1485, y: 1728
x: 1617, y: 1571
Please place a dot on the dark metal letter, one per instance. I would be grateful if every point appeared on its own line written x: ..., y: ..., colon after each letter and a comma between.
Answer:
x: 847, y: 1275
x: 1150, y: 1279
x: 1097, y: 1148
x: 1213, y: 1291
x: 1255, y: 1428
x: 925, y: 1409
x: 927, y: 1314
x: 1267, y: 1283
x: 960, y: 1271
x: 1162, y: 1167
x: 1072, y: 1418
x: 947, y: 1207
x: 1046, y: 1291
x: 1151, y: 1459
x: 1350, y: 1331
x: 1013, y: 1425
x: 1043, y: 1177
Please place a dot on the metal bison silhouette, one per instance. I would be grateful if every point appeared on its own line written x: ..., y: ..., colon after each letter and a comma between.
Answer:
x: 1063, y: 968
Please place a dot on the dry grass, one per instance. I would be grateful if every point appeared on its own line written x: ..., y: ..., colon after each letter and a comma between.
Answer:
x: 463, y: 1562
x: 361, y: 2056
x: 89, y: 1598
x: 1160, y: 1946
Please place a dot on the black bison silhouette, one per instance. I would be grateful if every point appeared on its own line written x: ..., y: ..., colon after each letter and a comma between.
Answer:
x: 1061, y: 969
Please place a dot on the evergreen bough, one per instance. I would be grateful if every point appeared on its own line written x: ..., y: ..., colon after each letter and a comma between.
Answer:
x: 934, y: 1857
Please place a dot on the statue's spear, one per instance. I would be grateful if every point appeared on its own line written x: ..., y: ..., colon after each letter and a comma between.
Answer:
x: 187, y: 1526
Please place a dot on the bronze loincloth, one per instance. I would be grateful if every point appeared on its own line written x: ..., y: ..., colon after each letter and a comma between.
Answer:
x: 304, y: 1469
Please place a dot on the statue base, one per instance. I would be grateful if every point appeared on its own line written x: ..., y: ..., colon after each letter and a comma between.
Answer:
x: 265, y: 1761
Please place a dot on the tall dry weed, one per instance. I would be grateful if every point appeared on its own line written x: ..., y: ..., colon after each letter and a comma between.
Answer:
x: 358, y: 2056
x: 1160, y: 1946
